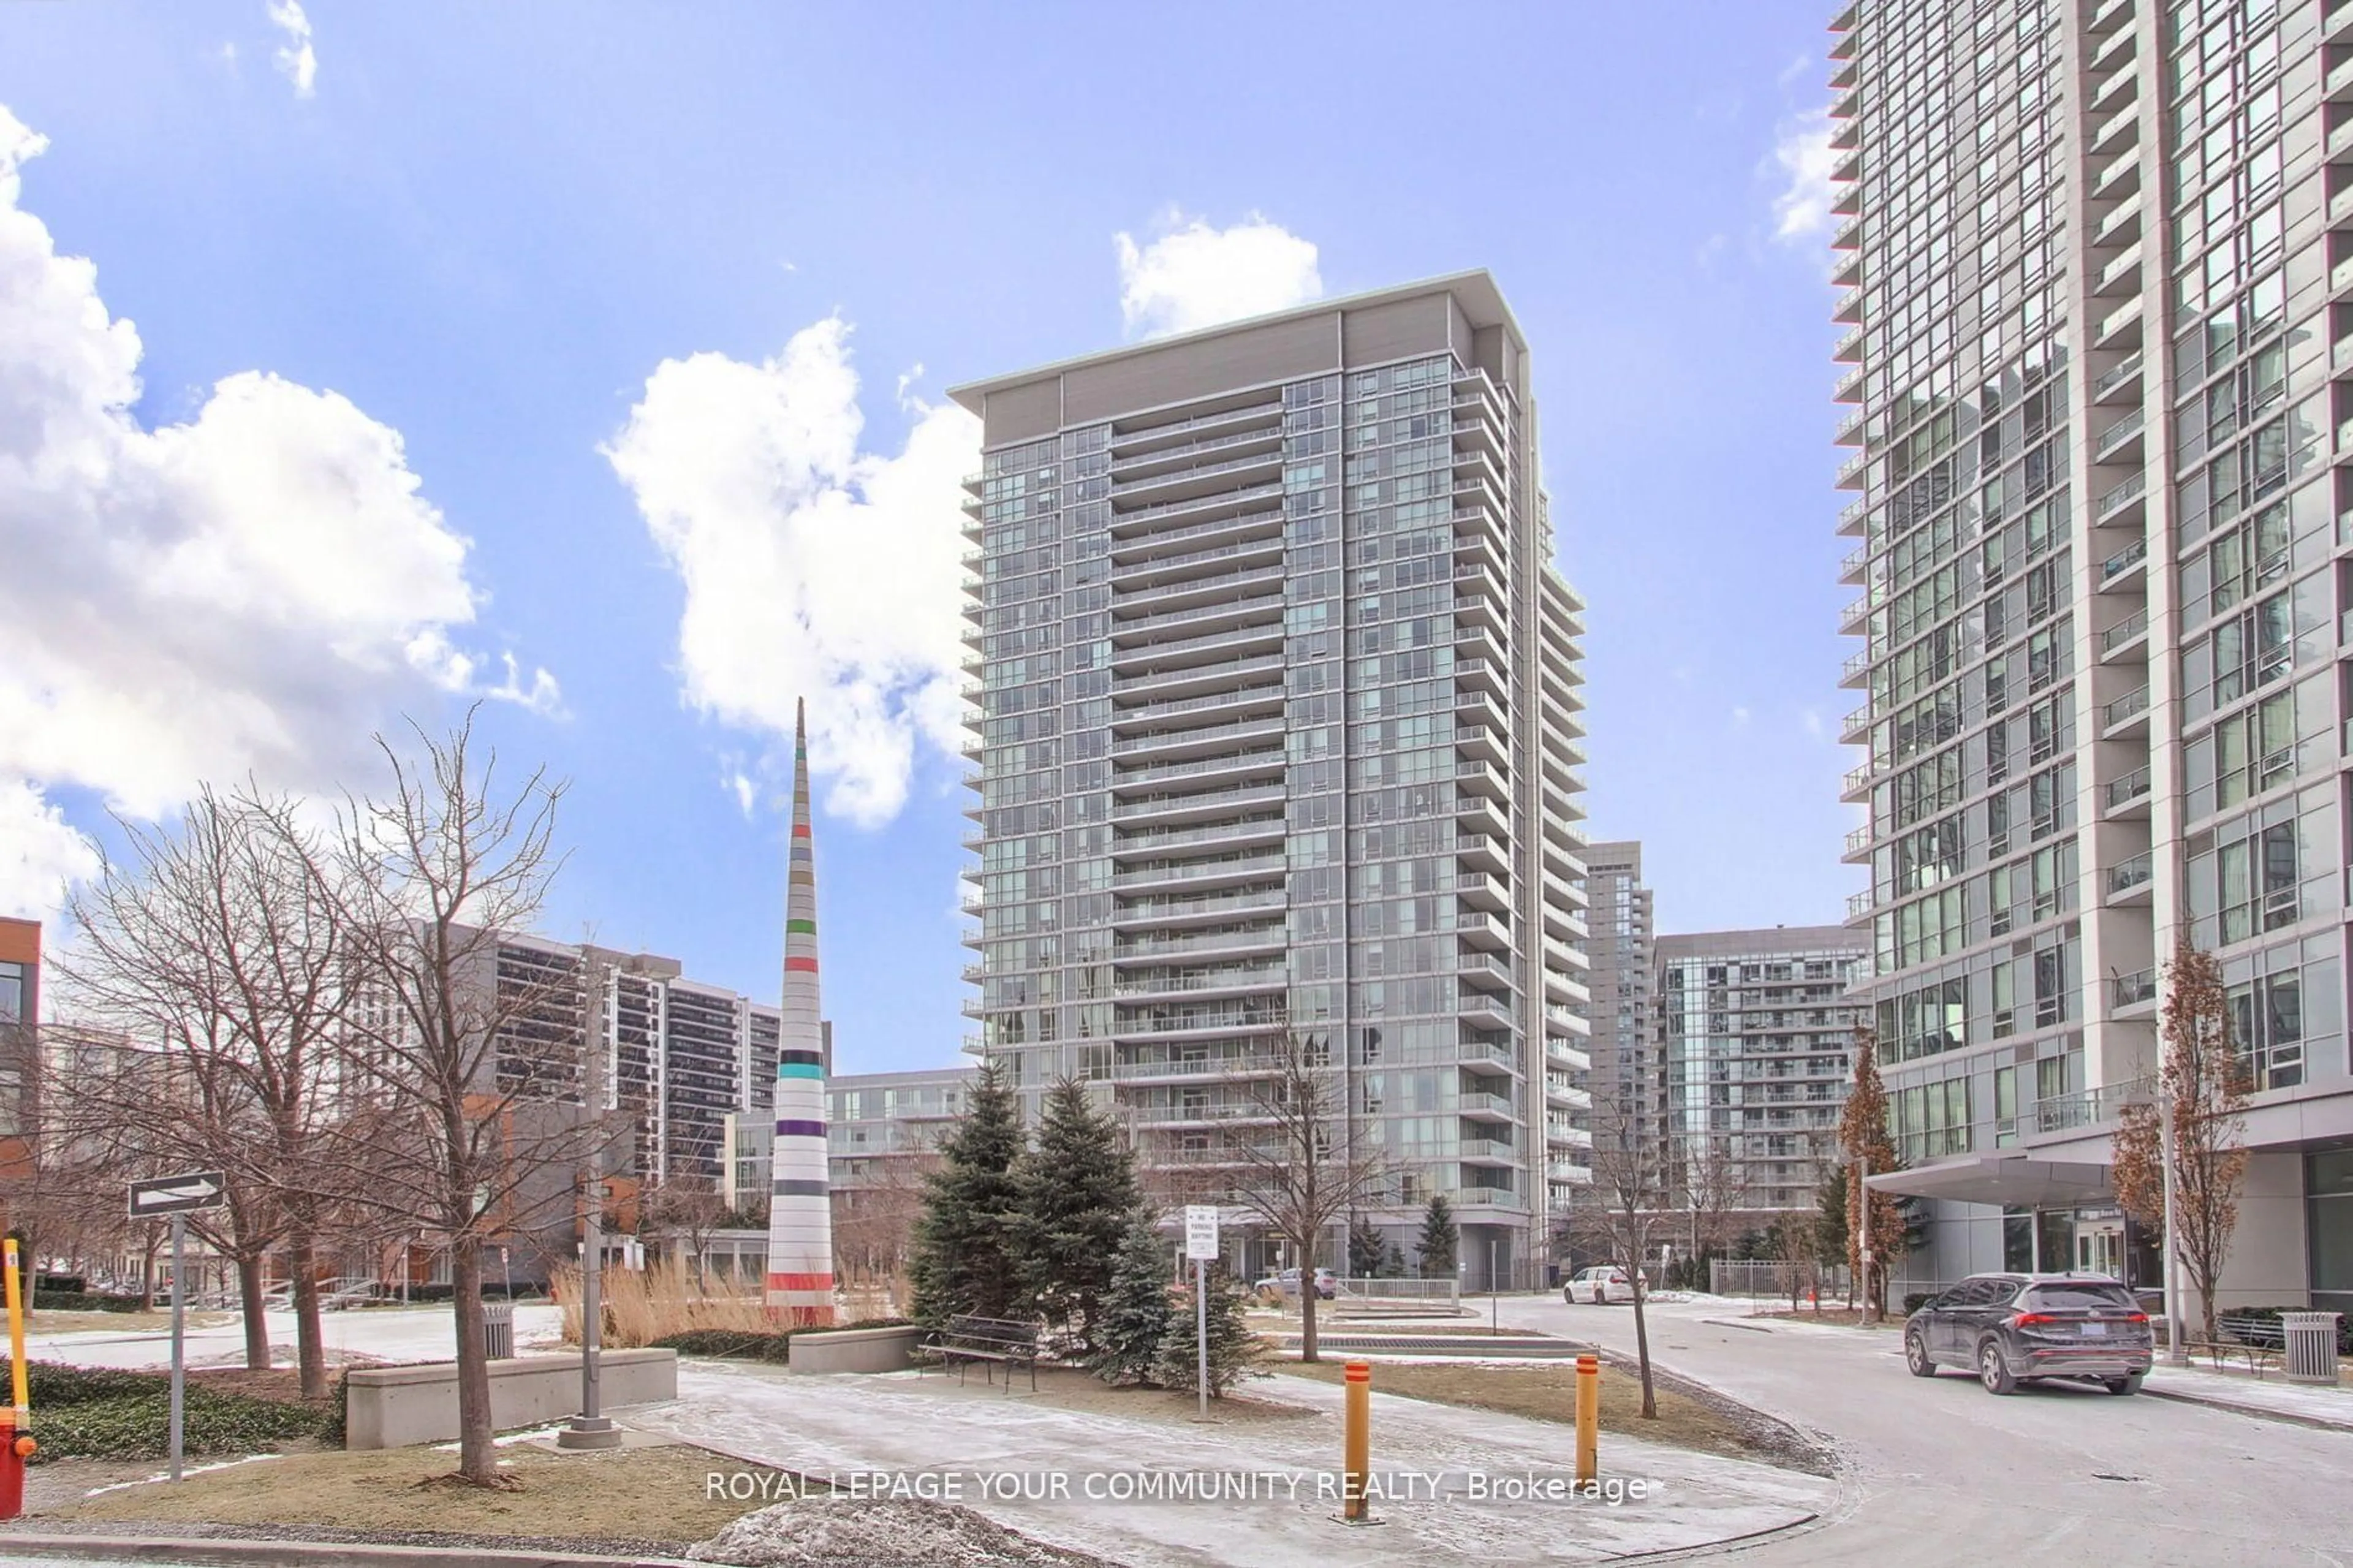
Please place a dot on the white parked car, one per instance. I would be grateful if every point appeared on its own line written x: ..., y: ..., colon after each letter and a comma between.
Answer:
x: 1601, y: 1284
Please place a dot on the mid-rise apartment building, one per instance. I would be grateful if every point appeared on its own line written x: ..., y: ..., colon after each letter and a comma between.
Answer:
x: 2097, y: 257
x: 1276, y: 695
x: 1630, y: 1086
x: 881, y: 1128
x: 676, y: 1056
x: 1755, y: 1039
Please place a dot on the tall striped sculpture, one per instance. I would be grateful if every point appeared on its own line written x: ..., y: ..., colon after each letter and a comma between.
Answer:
x: 800, y: 1214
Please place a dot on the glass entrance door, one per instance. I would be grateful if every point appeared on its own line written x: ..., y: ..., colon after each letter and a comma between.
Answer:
x: 2100, y: 1248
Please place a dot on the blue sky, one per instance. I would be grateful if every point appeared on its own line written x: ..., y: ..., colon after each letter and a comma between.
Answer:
x: 474, y: 253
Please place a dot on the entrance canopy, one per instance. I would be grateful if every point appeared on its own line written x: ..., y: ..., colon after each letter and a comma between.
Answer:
x: 2012, y: 1180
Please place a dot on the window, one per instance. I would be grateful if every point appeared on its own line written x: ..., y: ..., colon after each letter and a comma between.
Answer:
x: 12, y: 992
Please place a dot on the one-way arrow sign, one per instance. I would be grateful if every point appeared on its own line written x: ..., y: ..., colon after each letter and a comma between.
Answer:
x: 176, y: 1194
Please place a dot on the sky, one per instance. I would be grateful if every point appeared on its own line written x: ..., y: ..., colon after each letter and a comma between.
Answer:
x: 589, y: 361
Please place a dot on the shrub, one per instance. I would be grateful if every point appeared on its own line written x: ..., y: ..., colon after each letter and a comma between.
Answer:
x: 770, y: 1345
x: 51, y: 1300
x: 1916, y: 1300
x: 733, y: 1344
x: 99, y: 1413
x: 2271, y: 1315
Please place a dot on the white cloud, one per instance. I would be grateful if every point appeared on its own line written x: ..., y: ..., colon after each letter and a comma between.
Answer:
x: 40, y: 854
x: 1195, y: 276
x: 297, y: 61
x: 252, y: 591
x: 812, y: 568
x: 1801, y: 152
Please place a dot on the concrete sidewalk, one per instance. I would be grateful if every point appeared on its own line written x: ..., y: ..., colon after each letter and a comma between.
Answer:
x: 2269, y: 1398
x: 1438, y: 1454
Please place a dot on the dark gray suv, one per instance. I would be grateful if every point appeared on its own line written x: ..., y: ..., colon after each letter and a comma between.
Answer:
x: 2010, y: 1328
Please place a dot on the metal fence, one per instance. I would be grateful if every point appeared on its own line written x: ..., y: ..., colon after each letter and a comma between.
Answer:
x: 1397, y: 1298
x: 1764, y: 1278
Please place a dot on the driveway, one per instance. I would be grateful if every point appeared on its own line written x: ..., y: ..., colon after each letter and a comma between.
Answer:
x: 1941, y: 1472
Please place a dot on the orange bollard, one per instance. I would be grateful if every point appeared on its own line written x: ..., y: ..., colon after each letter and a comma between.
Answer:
x: 16, y: 1444
x: 1589, y: 1417
x: 1356, y: 1443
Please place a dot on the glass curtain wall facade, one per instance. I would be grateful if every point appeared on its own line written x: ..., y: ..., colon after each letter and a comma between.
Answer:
x: 1275, y: 724
x: 2097, y: 268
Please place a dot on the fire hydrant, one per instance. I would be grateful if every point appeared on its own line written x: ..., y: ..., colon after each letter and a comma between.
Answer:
x: 16, y: 1444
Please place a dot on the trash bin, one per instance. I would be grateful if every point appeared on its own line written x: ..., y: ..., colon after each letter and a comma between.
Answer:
x: 2311, y: 1346
x: 498, y: 1328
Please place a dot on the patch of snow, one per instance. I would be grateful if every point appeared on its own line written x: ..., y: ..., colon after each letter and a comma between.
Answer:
x: 184, y: 1471
x: 505, y: 1439
x: 847, y: 1531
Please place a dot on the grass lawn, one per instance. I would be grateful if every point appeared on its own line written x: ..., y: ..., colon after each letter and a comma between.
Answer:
x: 627, y: 1494
x: 1546, y: 1390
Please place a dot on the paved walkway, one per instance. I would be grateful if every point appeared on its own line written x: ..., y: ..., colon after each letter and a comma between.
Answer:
x: 931, y: 1427
x: 2273, y: 1396
x: 387, y: 1334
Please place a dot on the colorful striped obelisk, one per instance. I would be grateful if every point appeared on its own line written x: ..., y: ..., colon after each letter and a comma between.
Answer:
x: 800, y: 1214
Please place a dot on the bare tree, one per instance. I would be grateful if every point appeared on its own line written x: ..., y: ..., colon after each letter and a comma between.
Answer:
x: 222, y: 942
x: 684, y: 1207
x: 467, y: 1052
x: 874, y: 1217
x: 1715, y: 1187
x: 1627, y: 1211
x: 2199, y: 1111
x: 1297, y: 1169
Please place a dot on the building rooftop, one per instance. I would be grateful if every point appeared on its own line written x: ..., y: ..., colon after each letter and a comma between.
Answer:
x: 1475, y: 292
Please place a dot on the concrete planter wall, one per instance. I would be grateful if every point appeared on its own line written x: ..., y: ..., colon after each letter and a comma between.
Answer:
x: 394, y: 1407
x: 856, y: 1350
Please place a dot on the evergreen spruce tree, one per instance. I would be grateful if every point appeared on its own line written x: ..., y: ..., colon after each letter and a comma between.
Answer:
x: 965, y: 1258
x: 1367, y: 1249
x: 1439, y: 1238
x: 1392, y: 1261
x: 1234, y: 1350
x: 1136, y: 1312
x: 1078, y: 1193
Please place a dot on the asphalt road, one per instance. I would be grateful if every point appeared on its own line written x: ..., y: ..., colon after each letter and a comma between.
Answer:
x: 1941, y: 1472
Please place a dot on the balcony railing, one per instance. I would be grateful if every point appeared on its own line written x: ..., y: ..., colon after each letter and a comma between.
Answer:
x: 2123, y: 495
x: 2131, y: 705
x: 1194, y: 503
x: 2129, y: 990
x: 2135, y: 872
x: 2117, y: 434
x: 2132, y: 786
x: 2124, y: 631
x: 2124, y: 560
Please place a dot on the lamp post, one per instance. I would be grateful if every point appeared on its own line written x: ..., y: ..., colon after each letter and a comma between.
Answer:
x: 2175, y: 1353
x: 591, y: 1428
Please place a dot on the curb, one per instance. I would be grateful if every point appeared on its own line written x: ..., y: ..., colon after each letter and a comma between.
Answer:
x: 225, y: 1552
x: 2285, y: 1417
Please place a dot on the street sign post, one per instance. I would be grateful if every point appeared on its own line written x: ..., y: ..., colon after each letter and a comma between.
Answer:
x: 1201, y: 1247
x: 177, y: 1198
x: 177, y: 1195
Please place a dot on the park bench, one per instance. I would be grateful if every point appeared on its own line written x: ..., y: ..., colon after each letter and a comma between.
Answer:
x: 2258, y: 1341
x: 991, y: 1341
